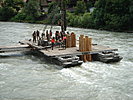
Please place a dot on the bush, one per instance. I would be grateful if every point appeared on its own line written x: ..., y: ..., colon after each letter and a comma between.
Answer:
x: 80, y: 7
x: 31, y: 10
x: 116, y: 15
x: 19, y: 17
x: 30, y: 19
x: 87, y: 21
x: 6, y: 13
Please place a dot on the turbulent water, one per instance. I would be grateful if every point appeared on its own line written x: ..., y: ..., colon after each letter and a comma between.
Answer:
x: 26, y: 77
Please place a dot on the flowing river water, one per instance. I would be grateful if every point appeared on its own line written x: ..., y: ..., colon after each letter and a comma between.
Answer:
x: 26, y: 77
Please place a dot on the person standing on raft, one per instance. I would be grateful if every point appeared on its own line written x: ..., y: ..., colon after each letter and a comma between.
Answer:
x: 53, y: 41
x: 34, y: 37
x: 64, y: 41
x: 38, y: 35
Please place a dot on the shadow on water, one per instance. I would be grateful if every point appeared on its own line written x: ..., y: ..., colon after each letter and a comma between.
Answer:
x: 34, y: 56
x: 37, y: 56
x: 11, y: 54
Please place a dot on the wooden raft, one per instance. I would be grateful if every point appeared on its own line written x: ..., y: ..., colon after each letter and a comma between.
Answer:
x: 75, y: 51
x: 68, y: 51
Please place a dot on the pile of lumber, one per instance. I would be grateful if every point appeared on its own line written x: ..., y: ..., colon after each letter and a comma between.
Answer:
x: 71, y: 40
x: 85, y: 44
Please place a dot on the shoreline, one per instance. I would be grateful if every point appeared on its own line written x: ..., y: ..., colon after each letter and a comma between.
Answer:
x: 126, y: 31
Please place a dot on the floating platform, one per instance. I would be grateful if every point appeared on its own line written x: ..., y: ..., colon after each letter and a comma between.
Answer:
x: 71, y: 56
x: 68, y: 51
x: 65, y: 57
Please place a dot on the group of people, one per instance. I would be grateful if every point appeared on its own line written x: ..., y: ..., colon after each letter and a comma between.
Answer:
x: 36, y: 36
x: 59, y: 38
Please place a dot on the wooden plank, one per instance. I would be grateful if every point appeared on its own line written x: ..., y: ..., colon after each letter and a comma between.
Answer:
x: 13, y: 50
x: 14, y: 47
x: 80, y: 53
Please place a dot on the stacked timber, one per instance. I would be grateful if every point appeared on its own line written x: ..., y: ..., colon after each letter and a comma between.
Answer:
x: 85, y: 44
x: 71, y: 40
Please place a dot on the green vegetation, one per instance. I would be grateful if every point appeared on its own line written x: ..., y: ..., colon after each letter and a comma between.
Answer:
x: 9, y: 9
x: 29, y: 13
x: 84, y: 20
x: 113, y: 15
x: 6, y: 13
x: 116, y: 15
x: 80, y: 8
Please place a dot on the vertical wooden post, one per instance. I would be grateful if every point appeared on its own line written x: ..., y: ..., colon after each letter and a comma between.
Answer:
x: 85, y: 44
x: 73, y: 40
x: 81, y: 45
x: 80, y: 42
x: 74, y: 37
x: 89, y: 58
x: 68, y: 41
x: 84, y: 49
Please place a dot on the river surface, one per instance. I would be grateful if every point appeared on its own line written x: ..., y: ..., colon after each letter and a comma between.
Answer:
x: 26, y: 77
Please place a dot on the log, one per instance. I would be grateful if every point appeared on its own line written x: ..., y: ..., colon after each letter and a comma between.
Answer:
x: 89, y: 57
x: 68, y: 41
x: 81, y: 45
x: 73, y: 40
x: 84, y: 49
x: 80, y: 42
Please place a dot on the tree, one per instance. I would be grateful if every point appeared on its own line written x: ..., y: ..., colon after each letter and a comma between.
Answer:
x: 15, y: 4
x: 9, y: 9
x: 71, y: 3
x: 31, y: 9
x: 6, y: 13
x: 80, y: 7
x: 113, y: 14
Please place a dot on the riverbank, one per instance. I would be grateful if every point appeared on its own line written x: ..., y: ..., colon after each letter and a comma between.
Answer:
x: 45, y: 22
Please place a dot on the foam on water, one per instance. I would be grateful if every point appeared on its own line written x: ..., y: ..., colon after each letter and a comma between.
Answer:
x: 33, y: 78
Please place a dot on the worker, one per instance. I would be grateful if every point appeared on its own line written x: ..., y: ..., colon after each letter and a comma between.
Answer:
x: 61, y: 33
x: 34, y: 37
x: 43, y: 36
x: 50, y: 33
x: 56, y: 35
x: 53, y: 42
x: 64, y: 41
x: 47, y: 36
x: 38, y: 35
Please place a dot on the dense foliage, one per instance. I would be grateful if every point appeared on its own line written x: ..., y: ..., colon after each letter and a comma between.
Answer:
x: 80, y: 8
x: 30, y: 12
x: 114, y: 15
x: 6, y: 13
x: 10, y: 8
x: 31, y: 9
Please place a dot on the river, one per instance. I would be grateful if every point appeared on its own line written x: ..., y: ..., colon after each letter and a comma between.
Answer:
x: 26, y: 77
